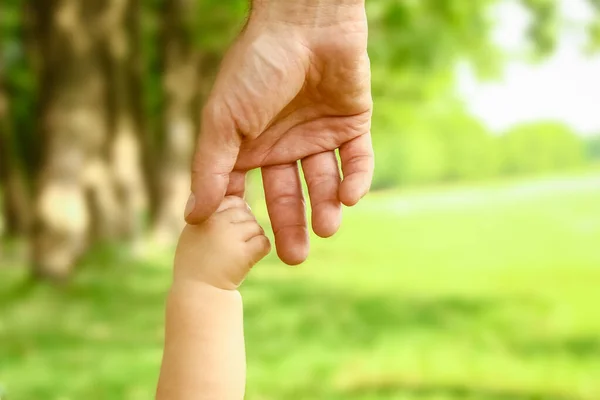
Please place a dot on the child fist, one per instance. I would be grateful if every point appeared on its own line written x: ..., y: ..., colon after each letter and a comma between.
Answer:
x: 222, y: 250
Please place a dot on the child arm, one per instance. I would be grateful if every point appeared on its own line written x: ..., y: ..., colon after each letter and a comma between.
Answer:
x: 204, y: 355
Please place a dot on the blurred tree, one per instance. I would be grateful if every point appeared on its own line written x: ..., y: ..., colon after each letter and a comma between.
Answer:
x: 123, y: 63
x: 420, y: 133
x: 540, y: 147
x: 471, y: 151
x: 180, y: 79
x: 544, y: 28
x: 13, y: 175
x: 15, y: 199
x: 419, y: 42
x: 74, y: 177
x: 439, y: 141
x: 592, y: 146
x: 194, y: 36
x: 118, y: 85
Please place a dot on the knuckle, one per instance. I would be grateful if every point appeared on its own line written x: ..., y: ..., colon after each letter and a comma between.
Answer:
x: 241, y: 214
x: 217, y: 117
x: 265, y: 244
x: 260, y: 248
x: 233, y: 203
x: 236, y: 201
x: 213, y: 110
x: 212, y: 223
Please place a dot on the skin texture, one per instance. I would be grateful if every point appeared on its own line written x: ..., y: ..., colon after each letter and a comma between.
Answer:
x: 294, y: 88
x: 204, y: 355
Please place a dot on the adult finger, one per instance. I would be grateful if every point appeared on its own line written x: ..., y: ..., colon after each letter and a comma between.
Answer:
x: 358, y: 165
x: 287, y: 211
x: 216, y: 153
x: 237, y: 184
x: 322, y: 176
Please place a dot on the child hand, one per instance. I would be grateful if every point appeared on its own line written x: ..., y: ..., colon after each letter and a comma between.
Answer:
x: 222, y: 250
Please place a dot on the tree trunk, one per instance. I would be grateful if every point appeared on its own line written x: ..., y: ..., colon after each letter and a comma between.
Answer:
x: 123, y: 70
x: 73, y: 133
x: 16, y: 200
x: 181, y: 85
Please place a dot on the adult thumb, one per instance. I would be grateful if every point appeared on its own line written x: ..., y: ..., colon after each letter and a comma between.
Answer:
x: 216, y: 153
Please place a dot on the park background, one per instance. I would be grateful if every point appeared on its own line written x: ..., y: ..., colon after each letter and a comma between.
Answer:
x: 472, y: 271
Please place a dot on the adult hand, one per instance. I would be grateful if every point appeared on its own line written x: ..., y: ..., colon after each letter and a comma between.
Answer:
x: 294, y: 86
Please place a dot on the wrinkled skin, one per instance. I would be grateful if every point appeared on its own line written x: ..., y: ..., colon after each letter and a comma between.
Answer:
x: 290, y: 91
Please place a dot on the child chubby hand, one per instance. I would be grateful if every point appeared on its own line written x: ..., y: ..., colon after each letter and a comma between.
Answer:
x: 204, y: 356
x: 221, y: 251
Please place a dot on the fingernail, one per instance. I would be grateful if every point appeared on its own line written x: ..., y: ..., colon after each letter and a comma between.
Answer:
x: 191, y: 204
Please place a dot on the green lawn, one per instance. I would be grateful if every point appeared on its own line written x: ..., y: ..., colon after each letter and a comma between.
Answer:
x: 465, y: 293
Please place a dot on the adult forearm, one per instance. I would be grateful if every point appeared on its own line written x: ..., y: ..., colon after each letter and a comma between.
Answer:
x: 307, y: 12
x: 310, y: 3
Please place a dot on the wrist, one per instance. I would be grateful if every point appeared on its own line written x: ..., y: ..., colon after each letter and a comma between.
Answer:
x: 307, y: 12
x: 194, y: 293
x: 202, y: 276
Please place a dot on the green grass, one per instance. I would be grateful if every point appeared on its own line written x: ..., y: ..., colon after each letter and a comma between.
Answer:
x: 467, y: 293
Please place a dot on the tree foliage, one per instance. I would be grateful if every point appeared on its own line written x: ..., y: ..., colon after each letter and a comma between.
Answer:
x: 422, y: 133
x: 539, y: 147
x: 592, y: 146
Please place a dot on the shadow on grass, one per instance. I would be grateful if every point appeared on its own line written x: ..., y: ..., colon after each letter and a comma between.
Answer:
x: 107, y: 310
x: 458, y: 391
x: 304, y: 315
x: 583, y: 348
x: 315, y: 313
